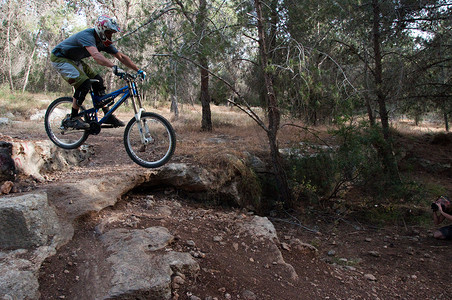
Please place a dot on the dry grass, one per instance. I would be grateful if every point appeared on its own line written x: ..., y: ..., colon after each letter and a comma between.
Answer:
x: 233, y: 133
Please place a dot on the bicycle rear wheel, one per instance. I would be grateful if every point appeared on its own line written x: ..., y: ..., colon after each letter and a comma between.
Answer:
x: 64, y: 137
x: 157, y: 144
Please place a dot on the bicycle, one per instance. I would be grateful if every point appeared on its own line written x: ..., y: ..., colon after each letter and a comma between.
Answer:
x: 149, y: 138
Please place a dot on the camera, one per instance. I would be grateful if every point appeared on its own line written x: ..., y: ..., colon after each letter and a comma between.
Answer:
x: 443, y: 200
x: 434, y: 206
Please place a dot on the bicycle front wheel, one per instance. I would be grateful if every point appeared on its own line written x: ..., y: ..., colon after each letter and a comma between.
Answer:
x: 151, y: 141
x: 60, y: 135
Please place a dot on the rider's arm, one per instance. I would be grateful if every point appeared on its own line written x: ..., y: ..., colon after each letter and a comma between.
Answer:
x: 99, y: 57
x: 126, y: 61
x: 437, y: 218
x: 443, y: 214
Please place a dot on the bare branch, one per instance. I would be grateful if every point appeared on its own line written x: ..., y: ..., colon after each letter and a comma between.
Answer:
x: 247, y: 109
x: 154, y: 17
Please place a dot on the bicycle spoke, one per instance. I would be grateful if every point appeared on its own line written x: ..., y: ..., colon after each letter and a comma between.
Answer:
x: 67, y: 138
x: 157, y: 144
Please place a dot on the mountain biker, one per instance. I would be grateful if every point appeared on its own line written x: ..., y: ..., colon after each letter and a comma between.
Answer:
x: 440, y: 205
x: 67, y: 57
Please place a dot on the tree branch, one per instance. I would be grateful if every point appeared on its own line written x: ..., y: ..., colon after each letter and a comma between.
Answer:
x: 247, y: 109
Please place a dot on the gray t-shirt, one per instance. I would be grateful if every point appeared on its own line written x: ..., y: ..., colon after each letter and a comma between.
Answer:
x: 74, y: 46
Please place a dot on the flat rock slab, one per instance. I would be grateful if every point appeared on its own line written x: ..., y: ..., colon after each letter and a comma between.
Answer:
x: 141, y: 264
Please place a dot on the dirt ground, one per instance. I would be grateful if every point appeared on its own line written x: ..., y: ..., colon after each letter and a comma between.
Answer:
x: 355, y: 260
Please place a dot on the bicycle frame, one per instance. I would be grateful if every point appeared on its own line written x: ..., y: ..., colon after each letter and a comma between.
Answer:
x: 128, y: 91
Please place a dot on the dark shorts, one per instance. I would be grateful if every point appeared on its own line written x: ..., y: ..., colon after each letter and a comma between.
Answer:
x: 447, y: 232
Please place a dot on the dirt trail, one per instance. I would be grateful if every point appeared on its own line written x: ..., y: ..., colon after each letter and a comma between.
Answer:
x: 353, y: 261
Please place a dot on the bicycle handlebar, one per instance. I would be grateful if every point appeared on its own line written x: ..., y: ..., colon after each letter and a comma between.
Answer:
x: 128, y: 76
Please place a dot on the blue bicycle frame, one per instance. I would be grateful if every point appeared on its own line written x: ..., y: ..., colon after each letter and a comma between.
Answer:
x: 130, y: 90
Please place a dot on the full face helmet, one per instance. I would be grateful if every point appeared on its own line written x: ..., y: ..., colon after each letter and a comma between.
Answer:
x: 105, y: 26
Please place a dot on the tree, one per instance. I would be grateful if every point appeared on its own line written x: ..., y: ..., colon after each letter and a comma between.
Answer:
x: 199, y: 27
x: 273, y: 112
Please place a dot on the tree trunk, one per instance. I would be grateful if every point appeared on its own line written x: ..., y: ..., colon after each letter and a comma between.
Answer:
x: 174, y: 106
x: 367, y: 99
x: 206, y: 123
x: 445, y: 115
x: 30, y: 61
x: 386, y: 150
x: 273, y: 113
x: 8, y: 48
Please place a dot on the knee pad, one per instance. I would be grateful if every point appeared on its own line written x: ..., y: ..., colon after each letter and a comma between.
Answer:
x: 81, y: 91
x: 98, y: 87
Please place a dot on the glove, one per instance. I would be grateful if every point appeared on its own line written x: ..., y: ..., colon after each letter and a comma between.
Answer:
x: 117, y: 71
x: 141, y: 74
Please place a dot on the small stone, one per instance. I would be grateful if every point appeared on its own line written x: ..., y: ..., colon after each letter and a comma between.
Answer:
x: 227, y: 296
x: 179, y: 280
x: 235, y: 246
x: 248, y: 295
x: 175, y: 285
x: 370, y: 277
x: 331, y: 253
x: 190, y: 243
x: 368, y: 240
x: 413, y: 277
x: 6, y: 187
x: 251, y: 259
x: 181, y: 275
x: 217, y: 238
x: 374, y: 253
x: 410, y: 251
x: 285, y: 246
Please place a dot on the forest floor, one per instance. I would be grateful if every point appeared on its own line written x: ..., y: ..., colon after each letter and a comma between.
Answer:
x: 357, y: 258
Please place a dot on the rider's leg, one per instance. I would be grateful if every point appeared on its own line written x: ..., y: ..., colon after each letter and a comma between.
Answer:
x: 98, y: 87
x: 80, y: 94
x: 99, y: 90
x: 78, y: 98
x: 73, y: 73
x: 113, y: 120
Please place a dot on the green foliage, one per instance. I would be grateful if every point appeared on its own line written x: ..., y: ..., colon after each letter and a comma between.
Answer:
x: 312, y: 176
x: 323, y: 172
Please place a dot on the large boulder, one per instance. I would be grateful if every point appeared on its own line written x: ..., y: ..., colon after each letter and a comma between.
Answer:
x: 180, y: 175
x: 28, y: 221
x: 262, y: 230
x: 34, y: 158
x: 7, y: 167
x: 30, y: 231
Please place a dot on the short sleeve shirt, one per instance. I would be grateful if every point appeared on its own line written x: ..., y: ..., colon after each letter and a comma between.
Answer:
x: 74, y: 46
